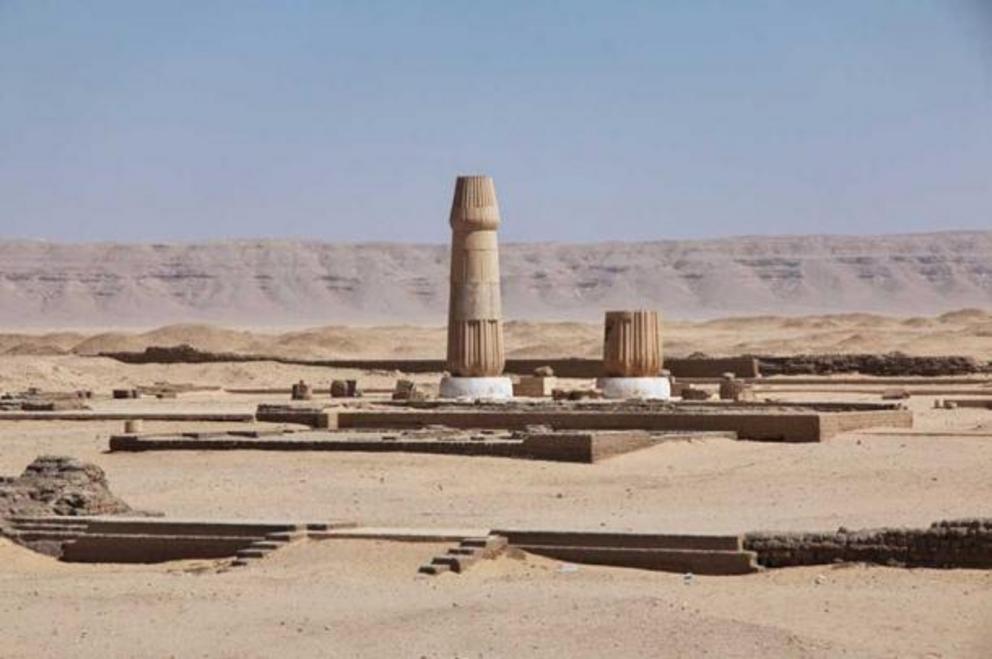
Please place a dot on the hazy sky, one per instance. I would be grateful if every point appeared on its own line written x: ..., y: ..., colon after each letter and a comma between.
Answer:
x: 173, y: 120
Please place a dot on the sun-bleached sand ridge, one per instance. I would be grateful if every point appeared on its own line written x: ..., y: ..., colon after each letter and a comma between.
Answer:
x: 962, y: 332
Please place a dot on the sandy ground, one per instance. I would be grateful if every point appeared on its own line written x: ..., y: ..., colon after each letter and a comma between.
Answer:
x: 963, y: 332
x: 353, y: 598
x: 363, y: 599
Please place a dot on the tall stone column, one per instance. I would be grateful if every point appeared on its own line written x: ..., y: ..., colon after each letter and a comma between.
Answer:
x: 632, y: 356
x: 475, y: 356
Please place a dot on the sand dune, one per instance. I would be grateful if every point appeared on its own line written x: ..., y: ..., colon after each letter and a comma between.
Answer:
x: 965, y: 332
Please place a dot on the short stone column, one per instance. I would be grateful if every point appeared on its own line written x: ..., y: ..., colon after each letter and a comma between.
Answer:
x: 632, y: 356
x: 300, y: 391
x: 475, y: 357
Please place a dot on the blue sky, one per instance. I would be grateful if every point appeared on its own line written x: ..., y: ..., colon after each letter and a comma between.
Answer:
x: 176, y: 120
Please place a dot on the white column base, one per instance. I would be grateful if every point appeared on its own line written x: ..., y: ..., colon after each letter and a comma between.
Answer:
x: 491, y: 388
x: 635, y: 388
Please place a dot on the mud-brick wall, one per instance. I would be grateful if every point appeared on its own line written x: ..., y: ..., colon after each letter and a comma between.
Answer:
x: 963, y: 543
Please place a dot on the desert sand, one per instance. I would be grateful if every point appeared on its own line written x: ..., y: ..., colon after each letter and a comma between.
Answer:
x: 960, y: 332
x: 364, y: 598
x: 358, y: 599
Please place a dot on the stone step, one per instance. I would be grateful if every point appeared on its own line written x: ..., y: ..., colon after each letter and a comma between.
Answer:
x: 163, y: 527
x: 457, y: 564
x: 488, y: 546
x: 401, y: 534
x: 622, y: 540
x: 58, y: 526
x: 252, y: 552
x: 434, y: 569
x: 159, y: 525
x: 267, y: 545
x: 52, y: 534
x: 133, y: 548
x: 485, y: 542
x: 111, y: 539
x: 469, y: 551
x: 712, y: 562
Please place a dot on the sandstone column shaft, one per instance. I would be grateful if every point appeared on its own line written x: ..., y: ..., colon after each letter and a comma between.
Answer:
x: 475, y: 328
x: 632, y: 344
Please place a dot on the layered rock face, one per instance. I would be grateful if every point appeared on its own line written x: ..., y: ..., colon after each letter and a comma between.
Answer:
x: 284, y: 282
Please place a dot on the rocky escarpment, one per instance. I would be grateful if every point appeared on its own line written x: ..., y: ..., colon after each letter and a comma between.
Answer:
x: 281, y: 282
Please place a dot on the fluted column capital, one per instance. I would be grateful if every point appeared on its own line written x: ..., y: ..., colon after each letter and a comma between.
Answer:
x: 474, y: 206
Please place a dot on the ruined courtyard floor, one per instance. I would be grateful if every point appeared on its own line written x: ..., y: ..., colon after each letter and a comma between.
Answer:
x: 365, y: 598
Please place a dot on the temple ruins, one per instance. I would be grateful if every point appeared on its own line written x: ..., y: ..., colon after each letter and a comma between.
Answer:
x: 632, y: 356
x: 475, y: 326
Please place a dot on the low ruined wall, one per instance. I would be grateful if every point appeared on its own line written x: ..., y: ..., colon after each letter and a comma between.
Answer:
x: 965, y: 543
x: 800, y: 426
x: 744, y: 367
x: 892, y: 364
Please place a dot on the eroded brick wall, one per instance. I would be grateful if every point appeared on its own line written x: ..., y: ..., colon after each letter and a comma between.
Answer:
x: 963, y: 543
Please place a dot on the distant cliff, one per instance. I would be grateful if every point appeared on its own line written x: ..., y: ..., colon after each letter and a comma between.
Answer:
x: 282, y: 283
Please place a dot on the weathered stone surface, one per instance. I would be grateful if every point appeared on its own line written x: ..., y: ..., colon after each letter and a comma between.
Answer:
x: 34, y: 400
x: 410, y: 390
x: 301, y: 391
x: 475, y: 329
x: 345, y: 389
x: 535, y: 386
x: 963, y: 543
x: 688, y: 392
x: 59, y: 485
x: 632, y: 344
x: 733, y: 389
x: 891, y: 364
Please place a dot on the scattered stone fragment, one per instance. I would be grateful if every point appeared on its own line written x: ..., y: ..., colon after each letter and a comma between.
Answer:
x: 59, y: 485
x: 576, y: 394
x: 534, y: 386
x: 345, y: 389
x: 301, y: 391
x: 693, y: 393
x: 410, y: 390
x: 733, y: 389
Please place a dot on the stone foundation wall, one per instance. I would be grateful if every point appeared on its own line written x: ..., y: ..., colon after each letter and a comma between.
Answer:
x: 963, y: 543
x: 892, y: 364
